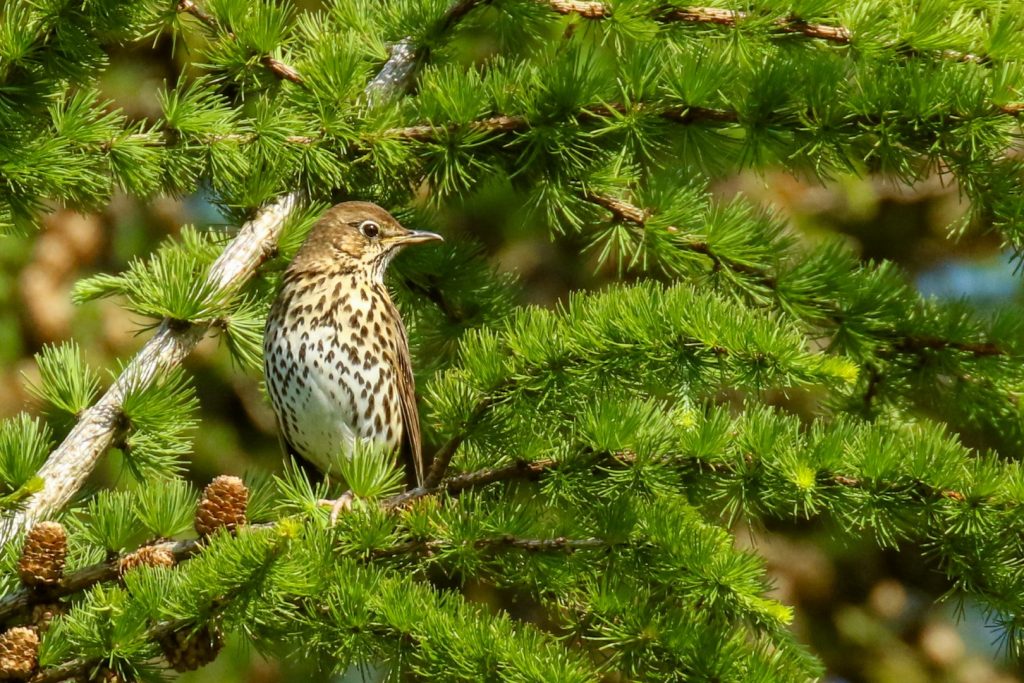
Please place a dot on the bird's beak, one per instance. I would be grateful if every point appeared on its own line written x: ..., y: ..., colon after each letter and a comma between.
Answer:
x: 417, y: 236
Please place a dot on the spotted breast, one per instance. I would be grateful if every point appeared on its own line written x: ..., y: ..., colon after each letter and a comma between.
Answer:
x: 333, y: 369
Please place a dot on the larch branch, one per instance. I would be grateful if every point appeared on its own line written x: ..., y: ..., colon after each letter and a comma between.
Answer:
x: 71, y: 463
x: 717, y: 16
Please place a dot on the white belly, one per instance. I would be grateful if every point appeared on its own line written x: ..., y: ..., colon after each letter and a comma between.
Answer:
x: 323, y: 385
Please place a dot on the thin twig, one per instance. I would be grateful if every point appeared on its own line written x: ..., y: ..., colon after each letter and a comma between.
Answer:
x: 101, y: 572
x: 444, y: 455
x: 717, y: 16
x: 918, y: 344
x: 281, y: 70
x: 624, y: 211
x: 189, y: 7
x: 275, y: 66
x: 559, y: 544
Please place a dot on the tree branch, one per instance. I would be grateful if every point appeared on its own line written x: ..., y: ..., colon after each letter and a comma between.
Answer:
x: 560, y: 544
x: 281, y: 70
x: 399, y: 70
x: 912, y: 344
x: 81, y: 667
x: 275, y: 66
x: 191, y: 8
x: 717, y: 16
x: 20, y: 601
x: 529, y: 470
x: 70, y: 464
x: 624, y: 211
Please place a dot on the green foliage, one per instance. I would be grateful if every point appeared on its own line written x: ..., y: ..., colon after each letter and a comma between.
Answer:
x: 157, y: 424
x: 605, y: 446
x: 166, y: 507
x: 66, y: 383
x: 24, y: 445
x: 371, y: 472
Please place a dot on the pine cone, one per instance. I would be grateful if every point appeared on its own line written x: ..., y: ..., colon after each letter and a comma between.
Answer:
x: 149, y: 556
x: 187, y: 649
x: 43, y: 555
x: 44, y: 613
x: 19, y: 652
x: 223, y: 505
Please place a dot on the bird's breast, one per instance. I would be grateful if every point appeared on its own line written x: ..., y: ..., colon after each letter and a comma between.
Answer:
x: 329, y: 362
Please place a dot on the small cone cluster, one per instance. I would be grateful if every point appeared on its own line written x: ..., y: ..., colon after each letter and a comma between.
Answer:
x: 43, y: 555
x: 146, y: 556
x: 19, y: 652
x: 187, y: 649
x: 223, y: 505
x: 44, y: 613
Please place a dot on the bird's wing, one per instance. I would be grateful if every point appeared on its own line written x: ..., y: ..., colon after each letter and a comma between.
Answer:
x: 287, y: 446
x: 411, y: 449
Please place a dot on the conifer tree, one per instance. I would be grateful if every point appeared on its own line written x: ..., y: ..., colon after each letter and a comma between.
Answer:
x: 592, y: 458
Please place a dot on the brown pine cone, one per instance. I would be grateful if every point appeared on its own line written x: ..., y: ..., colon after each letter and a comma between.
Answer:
x: 19, y: 652
x: 149, y: 556
x: 188, y: 649
x: 43, y: 555
x: 44, y: 613
x: 223, y: 505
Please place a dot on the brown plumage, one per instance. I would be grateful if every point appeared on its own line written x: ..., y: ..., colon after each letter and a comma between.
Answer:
x: 335, y: 352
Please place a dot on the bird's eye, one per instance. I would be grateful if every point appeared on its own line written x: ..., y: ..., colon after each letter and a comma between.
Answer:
x: 369, y: 228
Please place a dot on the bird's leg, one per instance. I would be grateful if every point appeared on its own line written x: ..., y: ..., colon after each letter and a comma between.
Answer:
x: 344, y: 502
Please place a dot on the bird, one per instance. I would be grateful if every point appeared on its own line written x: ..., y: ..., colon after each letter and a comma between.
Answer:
x: 335, y: 350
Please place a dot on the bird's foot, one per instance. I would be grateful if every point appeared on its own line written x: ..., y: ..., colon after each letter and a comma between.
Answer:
x: 343, y: 503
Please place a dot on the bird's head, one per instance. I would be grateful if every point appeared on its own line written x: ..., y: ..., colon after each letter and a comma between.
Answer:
x: 356, y: 236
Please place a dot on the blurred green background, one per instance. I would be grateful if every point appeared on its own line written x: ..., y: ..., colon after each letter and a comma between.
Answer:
x: 871, y: 615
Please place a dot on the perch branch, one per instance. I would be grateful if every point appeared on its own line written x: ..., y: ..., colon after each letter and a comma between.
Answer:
x: 70, y: 464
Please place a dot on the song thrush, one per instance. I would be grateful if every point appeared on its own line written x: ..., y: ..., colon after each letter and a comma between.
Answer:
x: 335, y: 351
